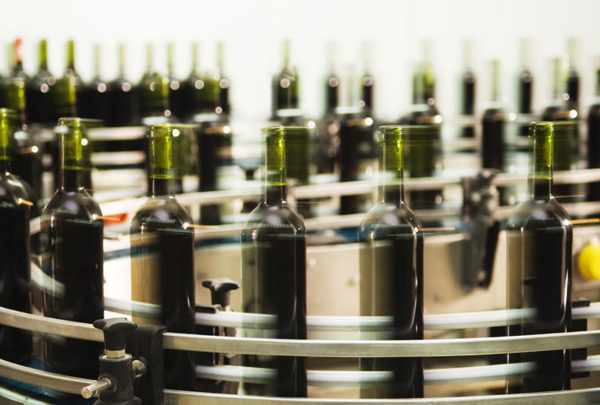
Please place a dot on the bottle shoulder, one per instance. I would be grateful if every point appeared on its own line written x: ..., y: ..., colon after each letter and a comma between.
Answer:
x: 541, y: 213
x: 274, y: 218
x: 13, y: 188
x: 161, y: 212
x: 72, y: 204
x: 383, y: 218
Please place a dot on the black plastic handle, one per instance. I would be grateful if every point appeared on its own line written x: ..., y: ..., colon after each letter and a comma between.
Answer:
x: 115, y: 332
x: 220, y: 290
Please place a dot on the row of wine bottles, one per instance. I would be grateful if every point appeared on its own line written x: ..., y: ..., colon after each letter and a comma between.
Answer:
x: 69, y: 254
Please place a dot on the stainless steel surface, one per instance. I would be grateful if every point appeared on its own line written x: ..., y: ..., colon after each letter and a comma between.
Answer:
x: 95, y: 388
x: 44, y: 379
x: 574, y: 397
x: 382, y: 348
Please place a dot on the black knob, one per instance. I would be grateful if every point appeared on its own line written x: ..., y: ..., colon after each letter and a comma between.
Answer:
x: 220, y: 289
x: 115, y: 332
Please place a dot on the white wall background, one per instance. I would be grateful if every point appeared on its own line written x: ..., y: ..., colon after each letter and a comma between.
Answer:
x: 253, y: 31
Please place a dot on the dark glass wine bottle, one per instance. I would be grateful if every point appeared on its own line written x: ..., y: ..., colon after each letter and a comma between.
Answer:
x: 175, y: 94
x: 493, y: 123
x: 539, y: 249
x: 223, y: 102
x: 572, y: 74
x: 468, y: 85
x: 153, y: 93
x: 367, y: 82
x: 274, y: 274
x: 15, y: 271
x: 391, y: 271
x: 72, y: 255
x: 39, y: 101
x: 593, y: 139
x: 198, y: 91
x: 27, y: 162
x: 122, y: 97
x: 214, y: 140
x: 162, y: 256
x: 525, y: 87
x: 332, y: 83
x: 285, y: 87
x: 94, y: 97
x: 566, y: 137
x: 17, y: 69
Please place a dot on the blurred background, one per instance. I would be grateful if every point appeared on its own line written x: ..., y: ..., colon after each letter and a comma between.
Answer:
x: 253, y: 31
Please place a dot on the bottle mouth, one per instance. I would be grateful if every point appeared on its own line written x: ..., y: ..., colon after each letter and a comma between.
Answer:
x: 391, y: 129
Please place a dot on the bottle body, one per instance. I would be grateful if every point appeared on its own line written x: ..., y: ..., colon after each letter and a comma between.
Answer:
x: 122, y: 103
x: 492, y: 139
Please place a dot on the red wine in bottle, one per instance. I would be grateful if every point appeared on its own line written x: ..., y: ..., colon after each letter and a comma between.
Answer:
x: 122, y: 97
x: 39, y: 101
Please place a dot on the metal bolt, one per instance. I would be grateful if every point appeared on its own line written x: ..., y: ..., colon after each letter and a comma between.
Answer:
x: 96, y: 388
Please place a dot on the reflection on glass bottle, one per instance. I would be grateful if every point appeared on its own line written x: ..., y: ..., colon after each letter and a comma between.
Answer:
x: 94, y: 97
x: 391, y: 272
x: 122, y: 97
x: 274, y: 275
x: 15, y: 270
x: 162, y: 256
x: 285, y: 87
x: 72, y: 256
x: 38, y: 95
x: 539, y: 255
x: 593, y: 139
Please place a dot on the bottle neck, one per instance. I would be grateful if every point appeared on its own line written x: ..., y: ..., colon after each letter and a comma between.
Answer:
x: 18, y: 56
x: 97, y: 57
x: 195, y: 59
x: 122, y: 60
x: 161, y: 187
x: 71, y: 56
x: 542, y: 165
x: 149, y: 60
x: 598, y: 82
x: 71, y: 180
x: 43, y: 56
x: 391, y: 169
x: 275, y: 180
x: 170, y: 52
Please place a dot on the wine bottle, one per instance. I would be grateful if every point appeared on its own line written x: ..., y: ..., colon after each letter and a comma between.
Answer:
x: 94, y: 96
x: 15, y: 277
x: 223, y: 106
x: 274, y: 274
x: 162, y: 256
x: 17, y: 69
x: 593, y: 139
x: 468, y: 85
x: 122, y: 97
x: 367, y: 81
x: 27, y: 163
x: 566, y: 136
x: 573, y: 45
x: 539, y: 255
x: 391, y: 271
x: 332, y: 82
x: 525, y: 88
x: 71, y: 73
x: 298, y: 141
x: 198, y: 91
x: 285, y: 87
x: 72, y: 255
x: 214, y: 140
x: 175, y: 94
x: 493, y: 122
x: 153, y: 92
x: 39, y: 101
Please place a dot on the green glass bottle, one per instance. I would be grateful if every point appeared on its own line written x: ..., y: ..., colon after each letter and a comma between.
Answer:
x: 391, y: 271
x: 175, y: 91
x: 153, y: 93
x: 72, y: 255
x: 15, y: 271
x: 38, y: 92
x: 94, y: 96
x: 199, y: 91
x: 285, y: 87
x: 539, y: 273
x: 122, y: 97
x: 72, y: 73
x: 274, y: 274
x: 17, y: 68
x: 525, y: 83
x: 223, y: 82
x: 332, y: 82
x: 162, y: 255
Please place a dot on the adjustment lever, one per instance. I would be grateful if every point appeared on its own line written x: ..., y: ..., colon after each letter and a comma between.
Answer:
x: 118, y: 370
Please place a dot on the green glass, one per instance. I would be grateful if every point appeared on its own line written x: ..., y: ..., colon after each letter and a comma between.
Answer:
x: 285, y: 86
x: 153, y: 93
x: 38, y: 90
x: 274, y: 274
x: 539, y: 267
x: 72, y: 254
x: 200, y: 91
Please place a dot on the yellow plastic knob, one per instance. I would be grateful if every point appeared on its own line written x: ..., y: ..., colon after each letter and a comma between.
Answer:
x: 589, y: 262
